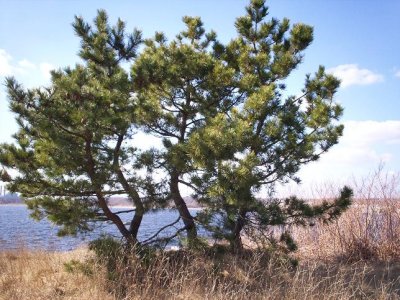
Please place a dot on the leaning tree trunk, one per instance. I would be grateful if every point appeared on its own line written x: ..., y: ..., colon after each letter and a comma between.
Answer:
x: 132, y: 192
x: 139, y: 209
x: 183, y: 210
x: 91, y: 171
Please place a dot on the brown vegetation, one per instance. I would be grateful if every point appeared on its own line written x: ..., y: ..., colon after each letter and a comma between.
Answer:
x: 41, y: 275
x: 356, y: 257
x: 369, y: 230
x: 178, y: 275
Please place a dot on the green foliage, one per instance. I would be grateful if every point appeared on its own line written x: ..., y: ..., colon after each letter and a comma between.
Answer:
x: 110, y: 252
x: 106, y: 247
x: 71, y: 148
x: 229, y: 129
x: 75, y: 266
x: 270, y: 135
x: 73, y: 215
x: 179, y: 85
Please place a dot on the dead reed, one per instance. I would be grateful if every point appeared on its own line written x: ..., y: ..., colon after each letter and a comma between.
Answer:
x: 369, y: 230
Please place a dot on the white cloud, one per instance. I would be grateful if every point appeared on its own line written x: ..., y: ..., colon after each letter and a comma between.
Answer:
x: 364, y: 143
x: 146, y: 141
x: 354, y: 156
x: 364, y: 133
x: 28, y: 73
x: 351, y: 74
x: 8, y: 68
x: 25, y: 68
x: 363, y: 146
x: 397, y: 74
x: 5, y: 63
x: 45, y: 68
x: 26, y: 64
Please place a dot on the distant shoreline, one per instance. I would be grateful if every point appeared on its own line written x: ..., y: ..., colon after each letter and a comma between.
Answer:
x: 113, y: 206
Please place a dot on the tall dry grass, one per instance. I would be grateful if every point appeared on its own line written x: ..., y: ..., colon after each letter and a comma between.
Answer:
x: 183, y: 275
x: 356, y: 257
x: 42, y: 275
x: 369, y: 230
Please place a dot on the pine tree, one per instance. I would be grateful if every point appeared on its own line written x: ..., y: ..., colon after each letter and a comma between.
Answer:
x: 71, y: 150
x: 179, y: 85
x: 269, y: 136
x: 228, y: 125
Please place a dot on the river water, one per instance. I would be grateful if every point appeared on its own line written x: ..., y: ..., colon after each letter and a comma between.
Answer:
x: 18, y: 230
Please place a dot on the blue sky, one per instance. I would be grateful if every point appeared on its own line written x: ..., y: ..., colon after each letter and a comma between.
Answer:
x: 358, y: 41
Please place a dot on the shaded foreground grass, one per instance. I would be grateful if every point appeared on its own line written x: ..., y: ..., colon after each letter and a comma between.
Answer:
x: 182, y: 275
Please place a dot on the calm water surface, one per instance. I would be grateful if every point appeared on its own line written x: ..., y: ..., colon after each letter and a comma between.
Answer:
x: 18, y: 230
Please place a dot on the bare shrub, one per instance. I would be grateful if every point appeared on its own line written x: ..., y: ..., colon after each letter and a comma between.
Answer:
x: 370, y: 229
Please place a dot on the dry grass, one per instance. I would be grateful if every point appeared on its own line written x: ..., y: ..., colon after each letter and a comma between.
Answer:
x: 357, y: 257
x: 186, y: 276
x: 179, y: 275
x: 41, y: 275
x: 369, y: 230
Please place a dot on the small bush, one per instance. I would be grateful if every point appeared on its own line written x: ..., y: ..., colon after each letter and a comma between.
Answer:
x: 74, y: 265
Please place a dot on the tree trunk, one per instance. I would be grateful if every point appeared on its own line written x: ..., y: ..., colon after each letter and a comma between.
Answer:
x: 91, y: 171
x: 180, y: 204
x: 135, y: 224
x: 236, y: 242
x: 139, y: 209
x: 115, y: 219
x: 132, y: 193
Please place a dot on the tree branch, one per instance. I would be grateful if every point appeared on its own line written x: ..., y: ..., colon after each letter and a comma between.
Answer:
x: 149, y: 240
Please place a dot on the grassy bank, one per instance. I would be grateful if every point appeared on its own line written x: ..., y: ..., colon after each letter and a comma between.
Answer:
x: 182, y: 275
x: 42, y: 275
x: 175, y: 275
x: 356, y: 257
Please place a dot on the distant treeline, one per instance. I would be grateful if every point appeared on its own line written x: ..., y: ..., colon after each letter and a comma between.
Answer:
x: 10, y: 198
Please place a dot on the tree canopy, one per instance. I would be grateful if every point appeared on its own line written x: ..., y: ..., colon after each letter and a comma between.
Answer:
x: 228, y: 125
